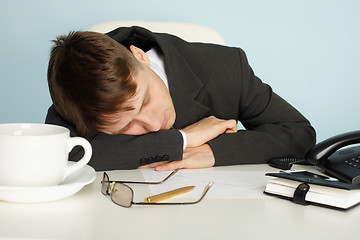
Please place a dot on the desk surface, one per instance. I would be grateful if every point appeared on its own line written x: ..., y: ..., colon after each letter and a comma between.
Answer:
x: 90, y: 215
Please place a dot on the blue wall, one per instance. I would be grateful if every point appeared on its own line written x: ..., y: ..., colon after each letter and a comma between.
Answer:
x: 309, y: 50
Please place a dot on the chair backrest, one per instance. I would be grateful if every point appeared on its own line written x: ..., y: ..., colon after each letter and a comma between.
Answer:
x: 187, y: 31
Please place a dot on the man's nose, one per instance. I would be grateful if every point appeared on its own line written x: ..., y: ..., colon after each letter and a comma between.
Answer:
x: 150, y: 121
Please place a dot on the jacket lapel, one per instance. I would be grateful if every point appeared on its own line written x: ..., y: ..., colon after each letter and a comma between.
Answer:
x: 184, y: 86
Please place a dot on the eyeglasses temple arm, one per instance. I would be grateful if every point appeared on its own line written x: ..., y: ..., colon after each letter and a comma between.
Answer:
x: 169, y: 176
x: 206, y: 189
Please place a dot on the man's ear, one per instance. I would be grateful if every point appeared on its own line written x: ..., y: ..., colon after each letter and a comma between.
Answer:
x: 140, y: 55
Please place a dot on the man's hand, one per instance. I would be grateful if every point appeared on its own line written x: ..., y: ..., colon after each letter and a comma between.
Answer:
x: 207, y: 129
x: 197, y: 157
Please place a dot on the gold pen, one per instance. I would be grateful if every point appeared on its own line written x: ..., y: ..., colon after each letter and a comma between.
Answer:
x: 169, y: 194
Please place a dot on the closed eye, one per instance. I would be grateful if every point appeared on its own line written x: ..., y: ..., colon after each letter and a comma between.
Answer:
x: 146, y: 100
x: 127, y: 127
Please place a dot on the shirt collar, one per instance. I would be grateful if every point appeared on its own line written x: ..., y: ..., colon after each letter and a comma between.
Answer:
x: 157, y: 64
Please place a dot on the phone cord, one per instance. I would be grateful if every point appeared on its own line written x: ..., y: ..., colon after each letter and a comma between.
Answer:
x: 286, y: 163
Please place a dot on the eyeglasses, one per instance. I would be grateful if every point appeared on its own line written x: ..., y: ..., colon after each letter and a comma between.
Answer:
x: 123, y: 195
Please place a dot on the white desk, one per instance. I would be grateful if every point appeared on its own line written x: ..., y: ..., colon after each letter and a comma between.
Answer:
x: 91, y: 215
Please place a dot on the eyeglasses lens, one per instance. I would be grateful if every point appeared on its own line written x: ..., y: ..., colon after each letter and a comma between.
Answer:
x: 122, y: 195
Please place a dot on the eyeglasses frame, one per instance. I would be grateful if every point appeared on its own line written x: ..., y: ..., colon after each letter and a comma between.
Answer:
x: 111, y: 185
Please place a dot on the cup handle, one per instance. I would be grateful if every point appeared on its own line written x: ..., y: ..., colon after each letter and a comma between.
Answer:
x: 78, y: 141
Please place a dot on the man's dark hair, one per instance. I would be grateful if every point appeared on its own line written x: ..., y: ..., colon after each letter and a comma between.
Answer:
x: 89, y: 77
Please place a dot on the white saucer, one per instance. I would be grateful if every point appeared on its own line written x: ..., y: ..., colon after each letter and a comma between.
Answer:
x: 71, y: 185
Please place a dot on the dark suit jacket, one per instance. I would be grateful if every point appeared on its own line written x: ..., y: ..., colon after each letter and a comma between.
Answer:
x: 204, y: 80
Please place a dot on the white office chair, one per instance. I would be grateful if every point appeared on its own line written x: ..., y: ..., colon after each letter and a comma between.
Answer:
x: 187, y: 31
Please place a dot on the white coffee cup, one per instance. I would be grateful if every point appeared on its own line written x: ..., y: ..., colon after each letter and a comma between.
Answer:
x: 34, y: 154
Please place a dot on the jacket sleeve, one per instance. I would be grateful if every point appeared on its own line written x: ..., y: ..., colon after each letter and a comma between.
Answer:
x: 273, y: 127
x: 124, y: 151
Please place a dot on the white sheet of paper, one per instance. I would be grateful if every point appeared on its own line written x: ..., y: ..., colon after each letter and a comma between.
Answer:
x: 226, y: 183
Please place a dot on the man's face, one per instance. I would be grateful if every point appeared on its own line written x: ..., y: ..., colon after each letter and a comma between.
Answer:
x: 153, y: 107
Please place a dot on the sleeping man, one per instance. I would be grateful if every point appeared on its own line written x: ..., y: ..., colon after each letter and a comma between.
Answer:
x: 147, y: 99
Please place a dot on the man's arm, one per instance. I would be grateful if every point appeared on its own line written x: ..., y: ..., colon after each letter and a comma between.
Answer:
x: 125, y: 151
x: 260, y: 145
x: 279, y: 131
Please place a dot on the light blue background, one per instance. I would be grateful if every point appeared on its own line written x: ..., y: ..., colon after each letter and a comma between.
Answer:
x: 308, y: 50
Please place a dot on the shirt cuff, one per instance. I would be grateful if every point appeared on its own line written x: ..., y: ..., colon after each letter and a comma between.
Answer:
x: 184, y: 139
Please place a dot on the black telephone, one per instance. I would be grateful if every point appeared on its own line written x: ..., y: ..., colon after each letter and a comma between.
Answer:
x: 343, y: 164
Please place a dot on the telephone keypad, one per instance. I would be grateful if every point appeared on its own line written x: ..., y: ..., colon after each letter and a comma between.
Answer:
x: 353, y: 162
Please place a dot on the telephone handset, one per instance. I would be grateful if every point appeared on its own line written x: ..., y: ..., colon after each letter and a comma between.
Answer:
x: 343, y: 164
